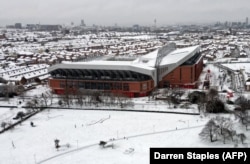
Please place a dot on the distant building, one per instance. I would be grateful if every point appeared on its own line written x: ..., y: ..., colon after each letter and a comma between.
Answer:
x: 136, y: 27
x: 82, y: 23
x: 50, y: 27
x: 246, y: 21
x: 2, y: 36
x: 10, y: 26
x: 32, y: 26
x: 18, y: 25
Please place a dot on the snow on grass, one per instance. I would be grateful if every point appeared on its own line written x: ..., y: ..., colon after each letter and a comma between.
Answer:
x: 81, y: 129
x: 6, y: 114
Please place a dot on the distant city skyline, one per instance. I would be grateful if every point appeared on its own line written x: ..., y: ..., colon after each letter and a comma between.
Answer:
x: 123, y: 13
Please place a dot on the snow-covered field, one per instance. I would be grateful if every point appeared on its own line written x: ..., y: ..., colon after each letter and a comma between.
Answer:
x: 133, y: 135
x: 6, y: 114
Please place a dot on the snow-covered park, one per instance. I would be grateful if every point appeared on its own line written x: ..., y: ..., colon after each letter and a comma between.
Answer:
x: 129, y: 135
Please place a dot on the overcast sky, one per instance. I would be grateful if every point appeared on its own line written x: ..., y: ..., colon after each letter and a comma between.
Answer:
x: 122, y: 12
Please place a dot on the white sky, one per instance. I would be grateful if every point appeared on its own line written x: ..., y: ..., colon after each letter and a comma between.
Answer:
x: 122, y: 12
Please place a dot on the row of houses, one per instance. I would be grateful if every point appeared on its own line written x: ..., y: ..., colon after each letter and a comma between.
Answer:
x: 21, y: 75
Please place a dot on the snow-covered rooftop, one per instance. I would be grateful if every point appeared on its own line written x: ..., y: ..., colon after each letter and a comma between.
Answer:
x: 179, y: 55
x: 15, y: 73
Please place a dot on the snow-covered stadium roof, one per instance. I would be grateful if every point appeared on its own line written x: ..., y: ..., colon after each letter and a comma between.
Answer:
x: 177, y: 56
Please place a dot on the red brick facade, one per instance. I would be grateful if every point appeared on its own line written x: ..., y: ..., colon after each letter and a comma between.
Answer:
x: 184, y: 76
x: 131, y: 89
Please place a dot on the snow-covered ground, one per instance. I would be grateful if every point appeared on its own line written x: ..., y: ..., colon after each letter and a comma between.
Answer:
x: 6, y: 114
x: 133, y: 134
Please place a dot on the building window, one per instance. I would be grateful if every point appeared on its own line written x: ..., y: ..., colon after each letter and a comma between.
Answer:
x: 70, y: 84
x: 93, y: 86
x: 126, y: 87
x: 81, y: 85
x: 62, y: 84
x: 144, y: 86
x: 191, y: 73
x: 88, y: 85
x: 180, y: 74
x: 117, y: 86
x: 100, y: 86
x: 107, y: 86
x: 75, y: 84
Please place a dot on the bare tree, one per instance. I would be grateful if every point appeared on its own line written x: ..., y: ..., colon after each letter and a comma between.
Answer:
x: 176, y: 95
x: 79, y: 97
x: 223, y: 123
x: 121, y: 99
x: 202, y: 104
x: 66, y: 96
x: 30, y: 107
x: 167, y: 96
x: 210, y: 131
x: 6, y: 92
x: 88, y: 96
x: 221, y: 127
x: 106, y: 99
x: 50, y: 95
x: 241, y: 114
x: 225, y: 128
x: 33, y: 104
x: 96, y: 97
x: 246, y: 121
x: 242, y: 137
x: 45, y: 98
x: 112, y: 99
x: 227, y: 134
x: 22, y: 96
x: 154, y: 93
